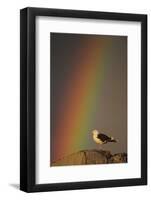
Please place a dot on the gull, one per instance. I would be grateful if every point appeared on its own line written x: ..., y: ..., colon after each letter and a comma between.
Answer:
x: 101, y: 138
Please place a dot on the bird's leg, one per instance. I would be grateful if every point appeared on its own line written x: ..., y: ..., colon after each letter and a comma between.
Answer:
x: 100, y: 147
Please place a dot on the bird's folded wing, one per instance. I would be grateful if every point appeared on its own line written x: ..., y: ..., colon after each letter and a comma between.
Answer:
x: 103, y: 137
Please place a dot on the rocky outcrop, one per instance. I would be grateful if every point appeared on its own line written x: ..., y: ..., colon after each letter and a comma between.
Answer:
x: 91, y: 157
x: 118, y: 158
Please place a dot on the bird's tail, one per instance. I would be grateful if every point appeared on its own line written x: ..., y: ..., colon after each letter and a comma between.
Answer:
x: 113, y: 140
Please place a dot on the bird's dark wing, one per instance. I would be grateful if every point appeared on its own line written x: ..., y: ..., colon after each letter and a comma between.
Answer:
x: 103, y: 137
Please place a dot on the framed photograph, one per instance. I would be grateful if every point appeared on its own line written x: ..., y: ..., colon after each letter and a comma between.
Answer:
x: 83, y: 99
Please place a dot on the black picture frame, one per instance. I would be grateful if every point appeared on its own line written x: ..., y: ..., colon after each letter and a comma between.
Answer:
x: 28, y: 98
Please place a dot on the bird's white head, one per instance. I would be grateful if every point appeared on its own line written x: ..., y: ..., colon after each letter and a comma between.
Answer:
x: 95, y: 132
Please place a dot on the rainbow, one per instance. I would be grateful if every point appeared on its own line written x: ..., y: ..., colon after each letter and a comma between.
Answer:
x: 82, y: 98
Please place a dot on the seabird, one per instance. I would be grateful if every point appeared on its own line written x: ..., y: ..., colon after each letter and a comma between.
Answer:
x: 101, y: 138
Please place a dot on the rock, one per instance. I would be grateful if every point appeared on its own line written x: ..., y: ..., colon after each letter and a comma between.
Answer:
x: 118, y: 158
x: 91, y: 157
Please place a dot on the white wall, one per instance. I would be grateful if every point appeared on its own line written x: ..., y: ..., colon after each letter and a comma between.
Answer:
x: 9, y: 97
